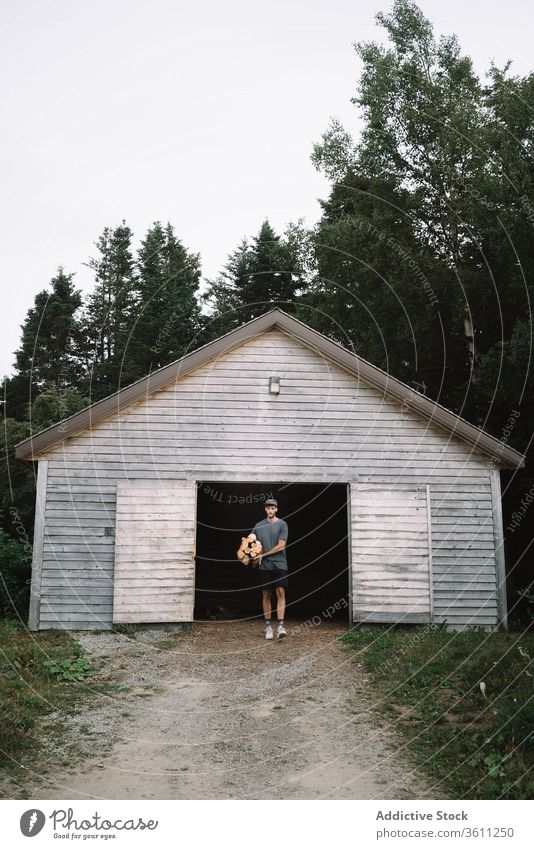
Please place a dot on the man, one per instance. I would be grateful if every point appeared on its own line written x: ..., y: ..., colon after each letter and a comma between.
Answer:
x: 272, y: 566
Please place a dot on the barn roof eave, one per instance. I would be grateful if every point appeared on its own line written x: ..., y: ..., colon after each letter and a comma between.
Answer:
x: 502, y: 455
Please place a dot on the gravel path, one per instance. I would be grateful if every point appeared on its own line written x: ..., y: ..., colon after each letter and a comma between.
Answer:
x: 220, y: 713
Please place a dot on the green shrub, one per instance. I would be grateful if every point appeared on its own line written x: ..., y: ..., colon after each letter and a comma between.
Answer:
x: 15, y: 577
x: 69, y: 670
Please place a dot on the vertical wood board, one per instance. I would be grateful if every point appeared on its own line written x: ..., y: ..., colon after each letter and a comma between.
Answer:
x: 161, y: 543
x: 390, y: 554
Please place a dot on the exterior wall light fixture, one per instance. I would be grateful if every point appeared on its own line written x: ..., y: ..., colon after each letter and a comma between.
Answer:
x: 274, y: 385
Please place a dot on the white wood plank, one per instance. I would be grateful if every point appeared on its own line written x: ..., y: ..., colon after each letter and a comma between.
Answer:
x: 38, y: 546
x: 157, y: 617
x: 377, y: 529
x: 139, y: 550
x: 500, y: 569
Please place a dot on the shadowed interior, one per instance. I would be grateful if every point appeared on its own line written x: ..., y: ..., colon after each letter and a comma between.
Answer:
x: 317, y: 549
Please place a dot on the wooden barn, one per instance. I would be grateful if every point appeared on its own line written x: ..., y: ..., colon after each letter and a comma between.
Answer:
x: 393, y: 502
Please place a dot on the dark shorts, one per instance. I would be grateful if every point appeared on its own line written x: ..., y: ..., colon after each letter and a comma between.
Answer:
x: 270, y: 578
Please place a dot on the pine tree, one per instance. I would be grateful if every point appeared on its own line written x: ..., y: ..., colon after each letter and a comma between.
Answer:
x: 223, y: 295
x: 50, y: 349
x: 168, y: 318
x: 272, y: 278
x: 109, y: 314
x: 257, y: 277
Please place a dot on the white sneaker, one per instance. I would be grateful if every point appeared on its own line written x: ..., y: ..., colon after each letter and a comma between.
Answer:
x: 281, y: 632
x: 269, y: 633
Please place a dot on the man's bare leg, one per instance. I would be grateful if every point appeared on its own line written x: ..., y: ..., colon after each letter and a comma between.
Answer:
x: 266, y: 601
x: 280, y: 603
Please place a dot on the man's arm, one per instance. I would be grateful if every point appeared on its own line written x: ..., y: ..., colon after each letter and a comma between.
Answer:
x: 278, y: 547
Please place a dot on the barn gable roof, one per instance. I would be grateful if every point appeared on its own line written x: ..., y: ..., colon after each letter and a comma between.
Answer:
x: 502, y: 455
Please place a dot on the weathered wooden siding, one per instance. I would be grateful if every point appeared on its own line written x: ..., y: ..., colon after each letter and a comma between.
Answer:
x: 215, y: 422
x: 154, y: 575
x: 391, y: 555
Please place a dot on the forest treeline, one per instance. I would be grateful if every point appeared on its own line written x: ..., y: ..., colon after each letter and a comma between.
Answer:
x: 422, y: 262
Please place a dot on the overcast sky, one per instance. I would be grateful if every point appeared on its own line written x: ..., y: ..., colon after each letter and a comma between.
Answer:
x: 200, y: 113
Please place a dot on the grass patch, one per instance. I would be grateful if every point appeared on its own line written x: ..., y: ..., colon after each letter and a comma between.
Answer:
x: 463, y: 699
x: 39, y: 673
x: 171, y: 640
x: 127, y: 629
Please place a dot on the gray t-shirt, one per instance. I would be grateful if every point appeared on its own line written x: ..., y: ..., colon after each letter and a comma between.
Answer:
x: 269, y: 533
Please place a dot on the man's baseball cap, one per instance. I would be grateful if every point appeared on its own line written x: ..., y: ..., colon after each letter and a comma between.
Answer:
x: 271, y: 502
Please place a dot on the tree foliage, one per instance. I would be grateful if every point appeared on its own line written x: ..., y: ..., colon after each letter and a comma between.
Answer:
x: 258, y: 276
x: 167, y: 314
x: 15, y: 577
x: 110, y: 311
x: 50, y: 351
x: 429, y: 192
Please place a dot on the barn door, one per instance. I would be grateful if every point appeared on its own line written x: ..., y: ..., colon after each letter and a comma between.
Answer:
x: 155, y: 552
x: 391, y: 554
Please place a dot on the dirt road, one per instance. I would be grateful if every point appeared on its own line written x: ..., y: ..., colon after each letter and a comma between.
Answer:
x: 220, y: 713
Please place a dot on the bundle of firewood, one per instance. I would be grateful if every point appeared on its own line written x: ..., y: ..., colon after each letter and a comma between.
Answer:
x: 250, y: 548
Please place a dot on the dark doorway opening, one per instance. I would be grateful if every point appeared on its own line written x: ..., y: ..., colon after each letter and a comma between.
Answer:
x: 317, y: 549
